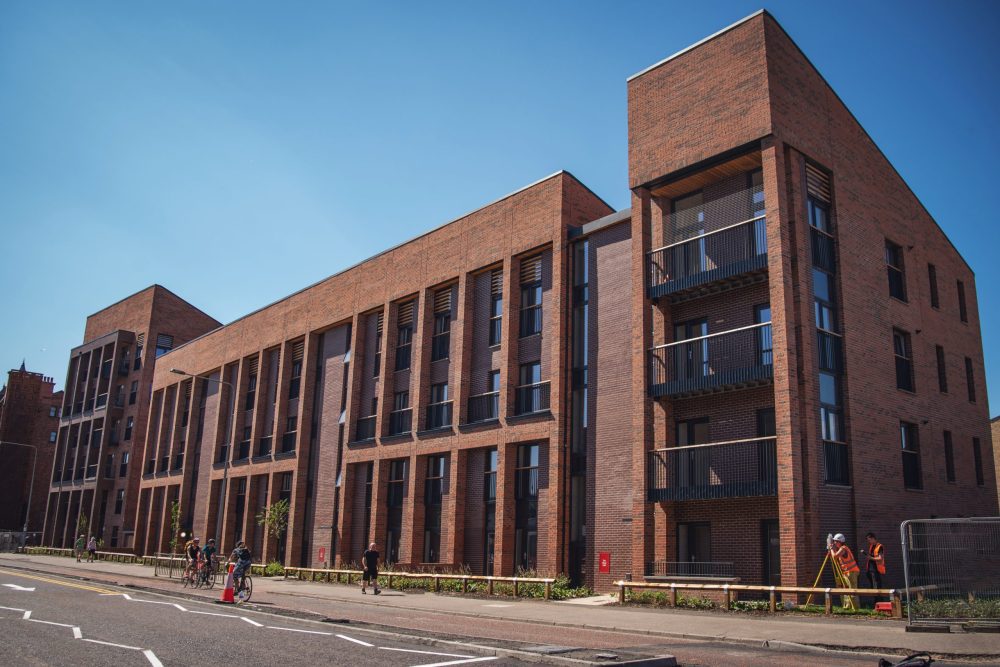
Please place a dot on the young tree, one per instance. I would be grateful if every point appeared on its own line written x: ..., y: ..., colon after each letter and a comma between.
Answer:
x: 175, y: 524
x: 274, y: 518
x: 82, y: 525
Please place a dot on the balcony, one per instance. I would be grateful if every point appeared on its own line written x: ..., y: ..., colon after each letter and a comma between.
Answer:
x: 731, y: 359
x: 438, y: 415
x: 731, y: 469
x: 400, y: 421
x: 709, y: 262
x: 525, y: 484
x: 484, y: 407
x: 365, y: 428
x: 531, y: 398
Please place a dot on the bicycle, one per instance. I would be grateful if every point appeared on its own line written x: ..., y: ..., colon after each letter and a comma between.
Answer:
x: 207, y: 573
x: 243, y: 589
x: 192, y: 576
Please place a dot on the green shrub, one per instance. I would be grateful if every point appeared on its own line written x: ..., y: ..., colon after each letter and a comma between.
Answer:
x: 274, y: 569
x: 956, y: 608
x: 750, y: 605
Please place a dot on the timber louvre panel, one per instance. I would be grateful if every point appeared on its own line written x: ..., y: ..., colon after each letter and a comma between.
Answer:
x: 405, y: 313
x: 496, y: 282
x: 817, y: 183
x: 531, y: 269
x: 254, y: 363
x: 442, y: 301
x: 298, y: 347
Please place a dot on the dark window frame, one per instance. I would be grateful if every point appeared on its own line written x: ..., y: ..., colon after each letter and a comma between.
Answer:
x: 933, y: 286
x: 970, y: 379
x: 942, y: 369
x: 902, y: 350
x: 909, y: 439
x: 963, y: 308
x: 949, y: 457
x: 895, y: 270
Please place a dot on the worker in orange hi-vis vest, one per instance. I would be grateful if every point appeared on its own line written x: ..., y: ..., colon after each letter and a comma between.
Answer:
x: 849, y: 566
x: 875, y: 567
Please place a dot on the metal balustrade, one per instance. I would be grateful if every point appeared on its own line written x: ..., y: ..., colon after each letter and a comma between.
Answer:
x: 681, y: 569
x: 400, y: 421
x: 484, y: 407
x: 439, y: 415
x: 531, y: 398
x: 365, y: 428
x: 711, y: 256
x: 735, y: 358
x: 730, y: 469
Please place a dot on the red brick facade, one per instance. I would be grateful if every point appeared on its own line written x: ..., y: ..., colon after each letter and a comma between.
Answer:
x: 648, y: 384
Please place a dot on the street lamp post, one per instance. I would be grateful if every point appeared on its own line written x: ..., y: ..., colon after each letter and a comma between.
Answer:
x: 31, y: 487
x: 229, y: 449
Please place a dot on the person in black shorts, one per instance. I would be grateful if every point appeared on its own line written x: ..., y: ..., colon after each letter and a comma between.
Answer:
x: 369, y: 561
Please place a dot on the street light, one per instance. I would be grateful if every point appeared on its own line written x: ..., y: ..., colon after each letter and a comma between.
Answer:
x: 229, y: 449
x: 31, y: 487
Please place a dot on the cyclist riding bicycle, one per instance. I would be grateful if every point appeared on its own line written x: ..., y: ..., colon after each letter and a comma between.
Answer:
x: 208, y: 558
x: 193, y: 553
x: 242, y: 557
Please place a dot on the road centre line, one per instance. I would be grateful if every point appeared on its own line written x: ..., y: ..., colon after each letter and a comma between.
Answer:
x: 356, y: 641
x: 27, y: 616
x: 13, y: 609
x: 58, y: 582
x: 251, y: 622
x: 77, y: 633
x: 458, y: 662
x: 61, y: 625
x: 307, y: 632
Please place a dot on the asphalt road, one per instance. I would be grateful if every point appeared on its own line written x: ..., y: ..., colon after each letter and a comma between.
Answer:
x: 70, y: 622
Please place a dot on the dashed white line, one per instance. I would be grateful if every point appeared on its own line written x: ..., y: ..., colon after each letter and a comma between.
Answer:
x: 412, y: 650
x: 61, y: 625
x: 307, y: 632
x: 27, y: 616
x: 458, y: 662
x: 12, y: 609
x: 98, y: 641
x: 77, y: 633
x: 211, y: 613
x: 356, y: 641
x: 153, y: 660
x: 252, y: 622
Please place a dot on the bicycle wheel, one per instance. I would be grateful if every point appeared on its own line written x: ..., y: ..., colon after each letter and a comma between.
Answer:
x: 246, y: 590
x: 210, y: 575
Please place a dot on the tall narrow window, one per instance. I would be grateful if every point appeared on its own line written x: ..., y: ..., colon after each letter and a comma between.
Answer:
x: 949, y: 457
x: 251, y: 387
x: 942, y: 369
x: 295, y: 384
x: 138, y: 351
x: 404, y: 335
x: 932, y: 283
x: 526, y: 507
x: 123, y: 465
x: 239, y: 506
x: 977, y: 457
x: 531, y: 296
x: 963, y: 313
x: 910, y: 442
x: 489, y: 510
x: 290, y: 436
x: 129, y: 423
x: 765, y: 346
x: 894, y: 268
x: 394, y: 499
x: 133, y: 392
x: 441, y: 340
x: 532, y: 395
x: 433, y: 494
x: 400, y: 417
x: 496, y: 305
x: 904, y: 360
x: 378, y: 345
x: 970, y: 380
x: 119, y: 501
x: 439, y: 409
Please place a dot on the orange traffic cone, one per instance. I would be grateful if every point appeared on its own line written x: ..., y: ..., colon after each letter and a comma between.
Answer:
x: 227, y: 592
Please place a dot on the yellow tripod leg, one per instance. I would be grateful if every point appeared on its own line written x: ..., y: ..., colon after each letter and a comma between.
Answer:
x: 819, y: 575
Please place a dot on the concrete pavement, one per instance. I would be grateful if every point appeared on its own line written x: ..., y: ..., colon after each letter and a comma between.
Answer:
x: 608, y: 626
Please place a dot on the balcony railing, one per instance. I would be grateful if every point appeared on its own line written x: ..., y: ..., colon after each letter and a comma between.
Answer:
x: 484, y: 407
x: 439, y: 415
x: 288, y: 441
x: 730, y: 469
x: 531, y: 398
x: 365, y: 428
x: 264, y: 446
x: 735, y: 358
x: 243, y: 450
x: 102, y: 400
x: 531, y: 321
x: 708, y: 569
x: 525, y: 483
x: 711, y: 256
x: 400, y: 421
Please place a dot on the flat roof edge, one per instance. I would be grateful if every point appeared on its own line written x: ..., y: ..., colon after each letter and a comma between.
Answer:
x: 601, y: 223
x: 697, y: 44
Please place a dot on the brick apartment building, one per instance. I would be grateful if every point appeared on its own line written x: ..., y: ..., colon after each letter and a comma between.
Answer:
x: 29, y: 415
x: 102, y: 422
x: 776, y: 341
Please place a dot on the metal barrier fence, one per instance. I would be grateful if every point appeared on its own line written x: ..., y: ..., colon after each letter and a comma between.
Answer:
x: 13, y: 540
x: 961, y: 557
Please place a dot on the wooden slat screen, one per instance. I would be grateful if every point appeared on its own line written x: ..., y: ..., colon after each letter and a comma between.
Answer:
x: 442, y: 301
x: 379, y: 319
x: 298, y: 347
x: 531, y: 269
x: 140, y: 339
x: 405, y: 313
x: 496, y: 282
x: 817, y: 183
x: 254, y: 365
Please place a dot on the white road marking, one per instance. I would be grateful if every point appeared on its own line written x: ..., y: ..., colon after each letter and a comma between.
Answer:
x: 61, y: 625
x: 308, y: 632
x: 211, y: 613
x: 153, y: 660
x: 12, y: 609
x: 356, y: 641
x: 252, y: 622
x: 498, y: 605
x: 458, y: 662
x: 20, y: 588
x: 27, y: 615
x: 412, y: 650
x: 77, y: 634
x: 98, y: 641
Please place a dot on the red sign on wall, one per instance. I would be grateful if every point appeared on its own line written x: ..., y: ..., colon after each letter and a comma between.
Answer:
x: 604, y: 562
x: 322, y: 554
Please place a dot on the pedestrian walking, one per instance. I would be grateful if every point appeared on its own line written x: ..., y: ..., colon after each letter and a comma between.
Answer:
x: 78, y: 547
x: 849, y: 566
x: 875, y: 566
x: 369, y: 561
x: 92, y: 549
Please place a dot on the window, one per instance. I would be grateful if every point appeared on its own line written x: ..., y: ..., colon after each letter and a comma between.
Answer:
x: 119, y: 501
x: 164, y: 343
x: 129, y: 421
x: 295, y: 384
x: 823, y: 296
x: 496, y: 306
x: 286, y: 486
x: 904, y: 360
x: 378, y: 346
x: 404, y: 340
x: 977, y: 456
x: 133, y: 392
x: 433, y: 493
x: 894, y: 267
x: 439, y: 409
x: 765, y: 345
x: 494, y: 381
x: 114, y: 536
x: 531, y: 296
x: 949, y: 457
x: 910, y: 442
x: 526, y: 507
x: 52, y: 436
x: 819, y: 215
x: 251, y: 391
x: 400, y: 419
x: 123, y: 465
x: 694, y: 546
x: 52, y: 411
x: 532, y: 395
x: 288, y: 439
x: 394, y: 500
x: 970, y: 380
x: 963, y: 313
x: 932, y: 282
x: 109, y: 466
x: 441, y: 341
x: 941, y: 369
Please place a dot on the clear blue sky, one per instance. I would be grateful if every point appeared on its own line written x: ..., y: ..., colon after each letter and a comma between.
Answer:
x: 138, y: 139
